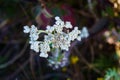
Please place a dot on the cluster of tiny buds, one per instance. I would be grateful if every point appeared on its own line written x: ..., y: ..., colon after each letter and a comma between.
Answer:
x: 55, y: 38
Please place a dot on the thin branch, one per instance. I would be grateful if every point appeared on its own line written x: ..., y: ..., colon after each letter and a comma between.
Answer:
x: 32, y: 65
x: 50, y: 75
x: 86, y: 62
x: 18, y: 70
x: 15, y: 58
x: 22, y: 69
x: 91, y: 10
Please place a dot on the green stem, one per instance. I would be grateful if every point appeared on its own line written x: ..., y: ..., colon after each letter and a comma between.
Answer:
x: 42, y: 31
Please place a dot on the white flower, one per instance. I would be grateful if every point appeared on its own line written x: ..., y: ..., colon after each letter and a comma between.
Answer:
x: 50, y: 29
x: 45, y: 55
x: 57, y: 40
x: 34, y: 34
x: 35, y: 45
x: 74, y: 34
x: 59, y: 24
x: 57, y: 18
x: 33, y: 29
x: 56, y: 37
x: 58, y: 28
x: 49, y: 38
x: 44, y: 48
x: 59, y: 21
x: 34, y: 37
x: 26, y: 29
x: 68, y: 25
x: 84, y: 33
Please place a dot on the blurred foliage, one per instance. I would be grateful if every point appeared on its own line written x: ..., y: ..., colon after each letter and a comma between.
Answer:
x: 112, y: 74
x: 104, y: 62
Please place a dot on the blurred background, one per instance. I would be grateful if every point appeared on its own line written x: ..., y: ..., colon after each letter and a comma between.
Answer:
x: 94, y: 58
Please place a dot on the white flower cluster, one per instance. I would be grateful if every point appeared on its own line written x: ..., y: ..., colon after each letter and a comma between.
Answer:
x: 55, y: 38
x: 34, y: 35
x: 36, y: 45
x: 58, y: 38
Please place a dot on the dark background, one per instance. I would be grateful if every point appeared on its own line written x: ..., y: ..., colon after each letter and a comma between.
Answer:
x: 89, y: 59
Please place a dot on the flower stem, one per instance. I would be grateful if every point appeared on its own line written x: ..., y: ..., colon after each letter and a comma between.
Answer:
x: 42, y: 31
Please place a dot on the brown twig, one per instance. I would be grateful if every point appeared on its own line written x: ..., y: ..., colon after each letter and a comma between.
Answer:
x: 91, y: 10
x: 40, y: 68
x: 84, y: 13
x: 32, y: 65
x: 26, y: 75
x: 92, y: 52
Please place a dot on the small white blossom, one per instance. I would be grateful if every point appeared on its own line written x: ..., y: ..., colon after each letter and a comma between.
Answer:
x: 33, y: 29
x: 57, y: 18
x: 44, y: 48
x: 68, y: 25
x: 84, y: 33
x: 35, y: 45
x: 50, y: 29
x: 34, y: 35
x: 74, y: 34
x: 45, y: 55
x: 26, y: 29
x: 58, y: 28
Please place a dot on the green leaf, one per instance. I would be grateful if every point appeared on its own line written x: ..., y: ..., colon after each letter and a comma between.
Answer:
x: 110, y: 11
